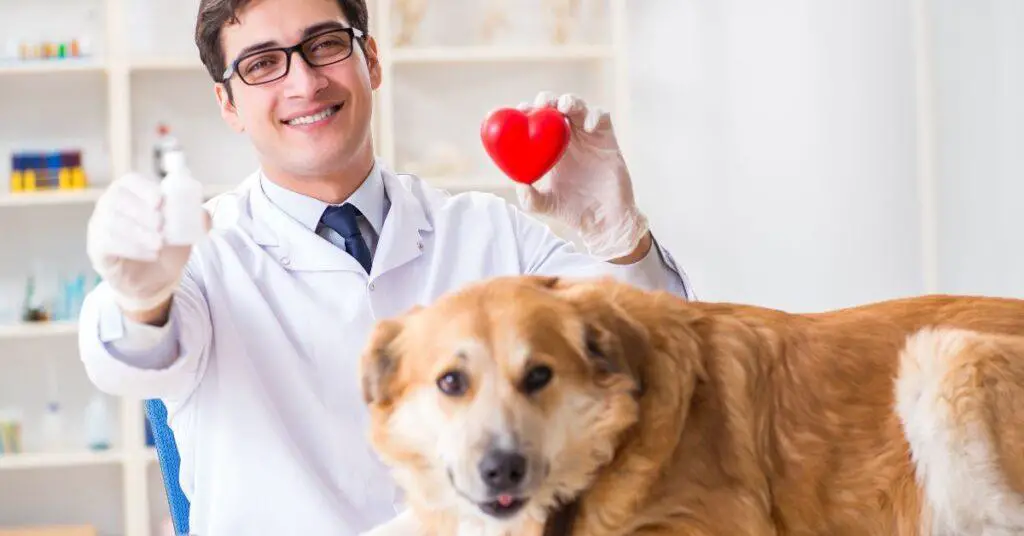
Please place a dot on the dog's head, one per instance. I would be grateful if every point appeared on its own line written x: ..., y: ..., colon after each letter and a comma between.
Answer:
x: 505, y: 398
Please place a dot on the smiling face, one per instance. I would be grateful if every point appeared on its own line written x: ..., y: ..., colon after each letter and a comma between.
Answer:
x: 314, y: 122
x: 496, y: 401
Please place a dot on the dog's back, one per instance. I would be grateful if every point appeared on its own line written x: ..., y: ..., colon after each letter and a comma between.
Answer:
x: 904, y: 417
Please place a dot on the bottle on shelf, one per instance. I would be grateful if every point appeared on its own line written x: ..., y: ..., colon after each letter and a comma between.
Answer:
x: 52, y: 423
x: 165, y: 143
x: 52, y: 428
x: 97, y: 423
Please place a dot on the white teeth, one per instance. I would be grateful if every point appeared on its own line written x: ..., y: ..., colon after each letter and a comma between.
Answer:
x: 310, y: 119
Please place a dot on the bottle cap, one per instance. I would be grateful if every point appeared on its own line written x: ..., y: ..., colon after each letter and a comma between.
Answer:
x: 174, y: 161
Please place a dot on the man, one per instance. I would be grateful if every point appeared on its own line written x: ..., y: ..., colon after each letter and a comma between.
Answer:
x: 251, y: 337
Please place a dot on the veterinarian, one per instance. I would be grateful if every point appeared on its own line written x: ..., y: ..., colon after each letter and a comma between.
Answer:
x: 252, y: 337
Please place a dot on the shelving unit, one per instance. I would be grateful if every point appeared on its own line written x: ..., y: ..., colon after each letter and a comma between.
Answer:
x: 434, y: 95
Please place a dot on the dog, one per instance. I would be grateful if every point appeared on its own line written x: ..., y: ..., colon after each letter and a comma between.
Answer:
x: 530, y: 405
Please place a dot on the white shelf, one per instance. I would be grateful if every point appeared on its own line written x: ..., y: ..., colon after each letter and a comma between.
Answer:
x: 167, y: 63
x: 37, y: 330
x: 51, y: 66
x: 59, y: 460
x: 53, y: 197
x: 77, y: 197
x: 477, y: 54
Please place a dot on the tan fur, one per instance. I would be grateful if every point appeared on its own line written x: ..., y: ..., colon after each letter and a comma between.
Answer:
x: 724, y: 419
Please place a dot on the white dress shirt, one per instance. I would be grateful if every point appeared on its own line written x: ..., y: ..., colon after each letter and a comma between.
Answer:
x: 258, y: 363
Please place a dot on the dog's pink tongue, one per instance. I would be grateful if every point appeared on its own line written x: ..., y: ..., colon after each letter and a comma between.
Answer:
x: 505, y: 500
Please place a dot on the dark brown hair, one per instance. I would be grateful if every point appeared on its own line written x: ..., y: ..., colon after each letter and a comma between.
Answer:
x: 215, y: 14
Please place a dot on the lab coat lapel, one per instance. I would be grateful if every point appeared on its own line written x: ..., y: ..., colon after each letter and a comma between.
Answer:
x: 401, y: 238
x: 295, y: 246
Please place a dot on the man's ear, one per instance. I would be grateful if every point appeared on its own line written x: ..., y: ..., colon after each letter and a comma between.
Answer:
x: 228, y: 111
x: 373, y: 62
x: 379, y: 362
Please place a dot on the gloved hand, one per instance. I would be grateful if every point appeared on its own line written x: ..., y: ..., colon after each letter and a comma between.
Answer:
x: 126, y: 247
x: 590, y: 188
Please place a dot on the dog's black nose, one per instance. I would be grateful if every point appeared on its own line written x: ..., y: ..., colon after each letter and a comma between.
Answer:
x: 502, y: 471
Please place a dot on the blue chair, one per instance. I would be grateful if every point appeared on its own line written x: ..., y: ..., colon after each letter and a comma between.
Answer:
x: 167, y: 454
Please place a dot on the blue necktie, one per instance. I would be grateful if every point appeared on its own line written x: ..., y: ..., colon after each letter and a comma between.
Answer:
x: 343, y: 220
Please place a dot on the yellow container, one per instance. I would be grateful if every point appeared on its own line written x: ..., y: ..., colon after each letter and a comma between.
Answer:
x: 78, y: 178
x: 29, y: 180
x: 64, y: 179
x: 17, y: 181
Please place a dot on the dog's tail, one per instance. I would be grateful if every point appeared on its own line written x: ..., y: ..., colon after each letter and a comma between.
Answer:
x: 960, y: 396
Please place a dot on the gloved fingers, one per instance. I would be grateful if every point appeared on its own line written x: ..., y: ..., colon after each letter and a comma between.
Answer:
x: 125, y: 244
x: 596, y: 119
x: 142, y: 217
x: 534, y: 200
x: 524, y: 106
x: 574, y: 107
x: 146, y: 190
x: 545, y: 99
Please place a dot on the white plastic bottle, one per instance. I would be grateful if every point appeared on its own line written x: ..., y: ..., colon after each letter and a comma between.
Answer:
x: 97, y: 423
x: 52, y: 428
x: 183, y: 202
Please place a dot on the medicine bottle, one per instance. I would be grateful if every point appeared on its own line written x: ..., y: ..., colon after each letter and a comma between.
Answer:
x: 183, y: 202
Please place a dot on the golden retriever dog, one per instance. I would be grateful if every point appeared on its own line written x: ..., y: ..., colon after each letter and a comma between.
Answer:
x: 537, y: 405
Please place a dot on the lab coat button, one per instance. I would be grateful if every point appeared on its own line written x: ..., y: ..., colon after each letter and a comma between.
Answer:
x: 285, y: 261
x: 372, y: 287
x: 420, y: 245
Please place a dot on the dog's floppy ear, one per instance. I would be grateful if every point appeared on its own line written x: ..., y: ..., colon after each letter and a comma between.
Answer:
x: 379, y: 361
x: 613, y: 339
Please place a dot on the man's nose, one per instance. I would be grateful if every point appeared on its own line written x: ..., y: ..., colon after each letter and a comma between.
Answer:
x: 303, y: 78
x: 502, y: 471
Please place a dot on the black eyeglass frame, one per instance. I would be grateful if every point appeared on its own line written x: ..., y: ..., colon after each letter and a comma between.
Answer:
x: 353, y: 33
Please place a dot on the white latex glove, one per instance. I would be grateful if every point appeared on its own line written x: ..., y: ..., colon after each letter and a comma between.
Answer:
x: 126, y: 247
x: 590, y: 188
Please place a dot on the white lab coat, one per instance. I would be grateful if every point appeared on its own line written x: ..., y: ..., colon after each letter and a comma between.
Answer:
x: 264, y: 398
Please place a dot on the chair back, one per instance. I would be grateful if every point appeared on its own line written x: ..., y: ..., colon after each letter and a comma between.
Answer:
x: 167, y: 454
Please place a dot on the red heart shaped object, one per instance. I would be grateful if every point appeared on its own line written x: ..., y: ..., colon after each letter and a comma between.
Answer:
x: 524, y: 145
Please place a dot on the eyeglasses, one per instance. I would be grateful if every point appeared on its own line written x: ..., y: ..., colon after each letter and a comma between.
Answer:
x: 272, y: 64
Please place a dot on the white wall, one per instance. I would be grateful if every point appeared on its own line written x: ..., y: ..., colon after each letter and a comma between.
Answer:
x: 774, y: 146
x: 980, y: 143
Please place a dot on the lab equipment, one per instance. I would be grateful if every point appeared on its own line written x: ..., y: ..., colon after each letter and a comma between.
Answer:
x: 10, y: 431
x: 31, y: 171
x: 165, y: 143
x: 183, y: 202
x: 52, y: 423
x: 97, y: 423
x: 52, y: 428
x: 27, y: 50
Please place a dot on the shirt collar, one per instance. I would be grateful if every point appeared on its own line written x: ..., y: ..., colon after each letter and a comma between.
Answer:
x: 370, y: 198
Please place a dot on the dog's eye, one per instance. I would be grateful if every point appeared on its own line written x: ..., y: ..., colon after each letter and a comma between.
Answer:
x: 453, y: 383
x: 536, y: 379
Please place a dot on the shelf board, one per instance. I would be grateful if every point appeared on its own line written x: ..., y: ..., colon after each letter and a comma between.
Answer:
x: 474, y: 54
x: 38, y: 330
x: 50, y: 197
x: 166, y: 63
x: 77, y: 197
x: 57, y: 460
x: 52, y: 66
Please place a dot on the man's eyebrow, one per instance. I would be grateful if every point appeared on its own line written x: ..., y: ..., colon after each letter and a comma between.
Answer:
x: 322, y: 27
x: 311, y: 30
